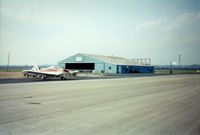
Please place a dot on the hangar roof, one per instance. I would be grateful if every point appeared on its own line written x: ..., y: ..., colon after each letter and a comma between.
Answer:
x: 115, y: 60
x: 112, y: 59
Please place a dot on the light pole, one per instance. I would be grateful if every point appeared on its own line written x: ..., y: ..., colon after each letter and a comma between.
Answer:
x: 8, y: 65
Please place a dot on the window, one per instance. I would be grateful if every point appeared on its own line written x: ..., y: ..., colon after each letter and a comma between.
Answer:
x: 78, y: 58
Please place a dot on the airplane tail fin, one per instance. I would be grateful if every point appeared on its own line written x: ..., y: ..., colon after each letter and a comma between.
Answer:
x: 36, y: 67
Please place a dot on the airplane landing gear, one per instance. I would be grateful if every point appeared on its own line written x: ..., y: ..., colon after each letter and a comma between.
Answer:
x: 63, y: 78
x: 43, y: 78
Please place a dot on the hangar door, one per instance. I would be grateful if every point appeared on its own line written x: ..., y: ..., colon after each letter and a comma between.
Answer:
x: 83, y: 66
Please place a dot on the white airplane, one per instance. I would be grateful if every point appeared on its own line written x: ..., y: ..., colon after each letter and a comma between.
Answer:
x: 49, y: 72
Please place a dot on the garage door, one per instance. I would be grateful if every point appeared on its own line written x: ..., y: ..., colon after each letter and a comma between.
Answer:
x: 83, y: 66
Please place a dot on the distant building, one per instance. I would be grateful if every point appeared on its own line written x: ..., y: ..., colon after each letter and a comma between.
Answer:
x: 106, y: 64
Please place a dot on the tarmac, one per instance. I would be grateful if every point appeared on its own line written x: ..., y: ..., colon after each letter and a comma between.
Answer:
x: 80, y: 76
x: 153, y: 105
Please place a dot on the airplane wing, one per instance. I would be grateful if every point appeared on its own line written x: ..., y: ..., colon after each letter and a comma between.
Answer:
x: 44, y: 73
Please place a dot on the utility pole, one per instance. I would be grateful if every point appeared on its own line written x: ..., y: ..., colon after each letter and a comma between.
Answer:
x: 171, y: 70
x: 8, y: 65
x: 150, y: 61
x: 179, y: 61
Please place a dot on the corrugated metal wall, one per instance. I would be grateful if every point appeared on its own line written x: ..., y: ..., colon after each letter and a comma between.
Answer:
x: 135, y: 69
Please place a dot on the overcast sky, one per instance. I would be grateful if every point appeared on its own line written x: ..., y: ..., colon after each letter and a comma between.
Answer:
x: 47, y: 31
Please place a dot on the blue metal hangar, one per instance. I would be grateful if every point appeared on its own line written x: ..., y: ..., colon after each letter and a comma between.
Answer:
x: 106, y: 64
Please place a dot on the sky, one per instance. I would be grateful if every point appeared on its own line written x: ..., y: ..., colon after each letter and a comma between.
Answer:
x: 47, y: 31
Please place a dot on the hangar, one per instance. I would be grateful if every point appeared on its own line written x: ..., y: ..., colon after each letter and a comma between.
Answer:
x: 106, y: 64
